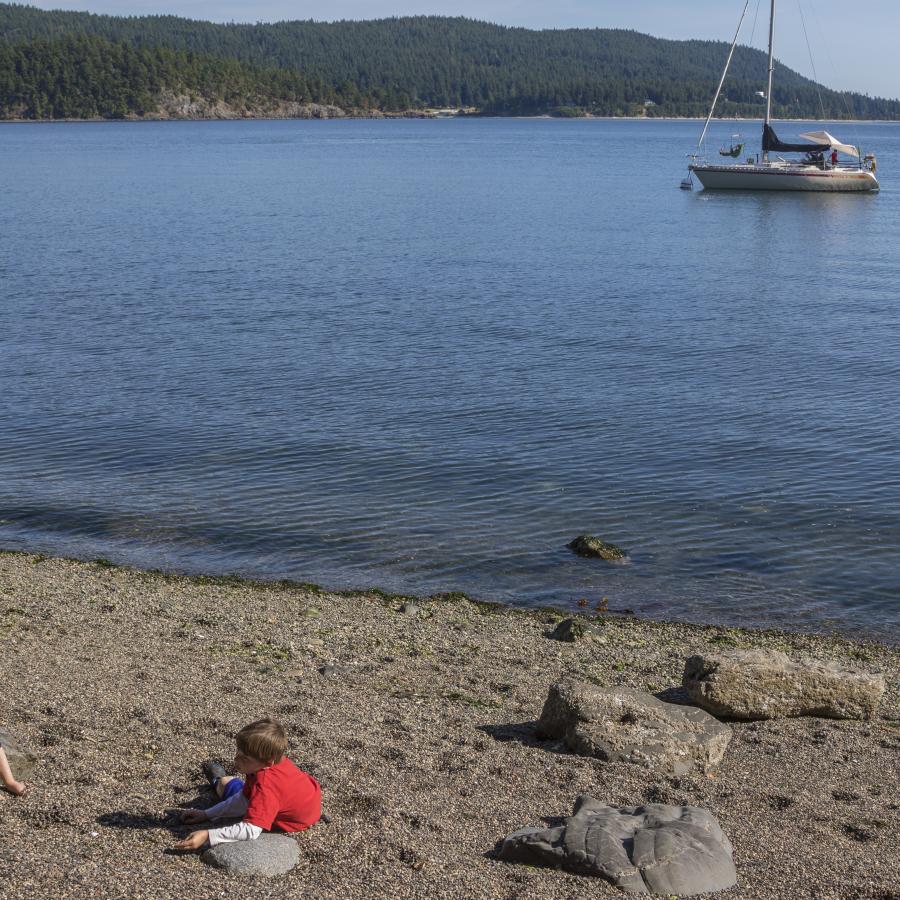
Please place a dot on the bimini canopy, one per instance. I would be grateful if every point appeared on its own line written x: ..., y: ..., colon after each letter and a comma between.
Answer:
x: 770, y: 142
x: 823, y: 137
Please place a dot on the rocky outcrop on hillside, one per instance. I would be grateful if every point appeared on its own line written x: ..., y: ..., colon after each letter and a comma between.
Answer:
x: 191, y: 106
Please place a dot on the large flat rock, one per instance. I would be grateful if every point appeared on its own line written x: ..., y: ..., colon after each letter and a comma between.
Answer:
x: 618, y: 724
x: 20, y: 759
x: 652, y: 849
x: 767, y: 684
x: 269, y: 855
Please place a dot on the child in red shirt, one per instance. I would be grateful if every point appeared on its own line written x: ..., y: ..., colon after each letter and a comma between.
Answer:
x: 276, y: 795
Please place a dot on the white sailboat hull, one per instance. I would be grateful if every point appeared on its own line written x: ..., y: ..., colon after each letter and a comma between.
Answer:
x: 783, y: 177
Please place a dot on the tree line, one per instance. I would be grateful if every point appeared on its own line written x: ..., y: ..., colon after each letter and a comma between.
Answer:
x: 389, y: 64
x: 82, y: 77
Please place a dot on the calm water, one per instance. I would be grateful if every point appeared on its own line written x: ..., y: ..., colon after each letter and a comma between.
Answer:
x: 425, y: 355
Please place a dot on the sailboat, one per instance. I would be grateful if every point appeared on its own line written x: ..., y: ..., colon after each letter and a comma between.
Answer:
x: 820, y: 169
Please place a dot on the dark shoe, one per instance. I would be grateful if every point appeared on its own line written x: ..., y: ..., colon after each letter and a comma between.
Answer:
x: 213, y: 771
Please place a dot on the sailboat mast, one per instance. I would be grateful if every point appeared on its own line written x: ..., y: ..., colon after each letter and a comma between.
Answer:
x: 771, y: 70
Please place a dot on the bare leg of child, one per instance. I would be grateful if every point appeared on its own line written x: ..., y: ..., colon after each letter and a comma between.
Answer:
x: 220, y: 784
x: 6, y: 776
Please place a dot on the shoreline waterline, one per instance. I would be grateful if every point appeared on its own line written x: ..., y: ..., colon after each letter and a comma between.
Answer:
x: 409, y: 117
x: 573, y: 608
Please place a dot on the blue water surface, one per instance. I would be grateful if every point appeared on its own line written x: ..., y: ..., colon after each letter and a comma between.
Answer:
x: 424, y: 355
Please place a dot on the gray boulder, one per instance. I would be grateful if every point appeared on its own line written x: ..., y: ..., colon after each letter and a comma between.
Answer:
x: 269, y: 855
x: 619, y: 724
x: 652, y: 849
x: 767, y: 684
x: 20, y: 759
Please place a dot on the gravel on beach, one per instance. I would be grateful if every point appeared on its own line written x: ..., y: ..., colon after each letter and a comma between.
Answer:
x: 417, y: 717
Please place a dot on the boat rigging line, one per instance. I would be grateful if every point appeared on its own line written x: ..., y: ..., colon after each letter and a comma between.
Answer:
x: 722, y: 80
x: 848, y: 110
x: 753, y: 29
x: 812, y: 62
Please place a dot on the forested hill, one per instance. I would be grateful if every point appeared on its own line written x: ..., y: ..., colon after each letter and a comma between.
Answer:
x: 391, y: 65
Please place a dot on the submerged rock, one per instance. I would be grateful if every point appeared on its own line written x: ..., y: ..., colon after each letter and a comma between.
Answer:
x: 652, y: 849
x: 20, y: 759
x: 269, y: 855
x: 619, y: 724
x: 767, y: 684
x: 587, y: 545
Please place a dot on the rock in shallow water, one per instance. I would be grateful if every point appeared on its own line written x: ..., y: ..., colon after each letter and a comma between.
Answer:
x: 20, y: 760
x: 767, y: 684
x: 269, y: 854
x: 588, y: 545
x: 652, y: 849
x: 618, y: 724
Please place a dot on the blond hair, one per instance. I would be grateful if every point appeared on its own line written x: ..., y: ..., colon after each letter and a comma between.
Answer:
x: 263, y: 740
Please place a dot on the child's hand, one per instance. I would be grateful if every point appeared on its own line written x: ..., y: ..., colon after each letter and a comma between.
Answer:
x: 193, y: 816
x: 193, y: 841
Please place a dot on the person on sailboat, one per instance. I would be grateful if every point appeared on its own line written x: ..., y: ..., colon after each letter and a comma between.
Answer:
x: 833, y: 158
x: 816, y: 158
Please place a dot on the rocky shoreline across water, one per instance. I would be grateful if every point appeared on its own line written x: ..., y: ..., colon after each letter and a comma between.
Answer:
x: 419, y: 717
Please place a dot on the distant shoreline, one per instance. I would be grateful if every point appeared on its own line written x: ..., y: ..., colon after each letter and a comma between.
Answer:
x: 411, y: 117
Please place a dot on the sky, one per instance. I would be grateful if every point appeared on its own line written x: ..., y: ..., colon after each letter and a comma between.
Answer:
x: 853, y: 44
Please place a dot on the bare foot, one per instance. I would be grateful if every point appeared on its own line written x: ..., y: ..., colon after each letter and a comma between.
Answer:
x: 16, y: 788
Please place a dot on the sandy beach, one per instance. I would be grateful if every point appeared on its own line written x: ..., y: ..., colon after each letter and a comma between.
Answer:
x: 417, y: 719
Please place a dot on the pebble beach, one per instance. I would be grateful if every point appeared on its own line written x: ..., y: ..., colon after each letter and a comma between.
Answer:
x: 417, y: 717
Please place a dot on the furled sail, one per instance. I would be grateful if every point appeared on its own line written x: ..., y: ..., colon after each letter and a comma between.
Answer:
x: 770, y: 143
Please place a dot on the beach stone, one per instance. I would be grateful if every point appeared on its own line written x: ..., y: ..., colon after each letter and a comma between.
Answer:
x: 767, y: 684
x: 269, y: 855
x: 619, y: 724
x: 572, y: 630
x: 20, y: 759
x: 651, y: 849
x: 333, y: 671
x: 588, y: 545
